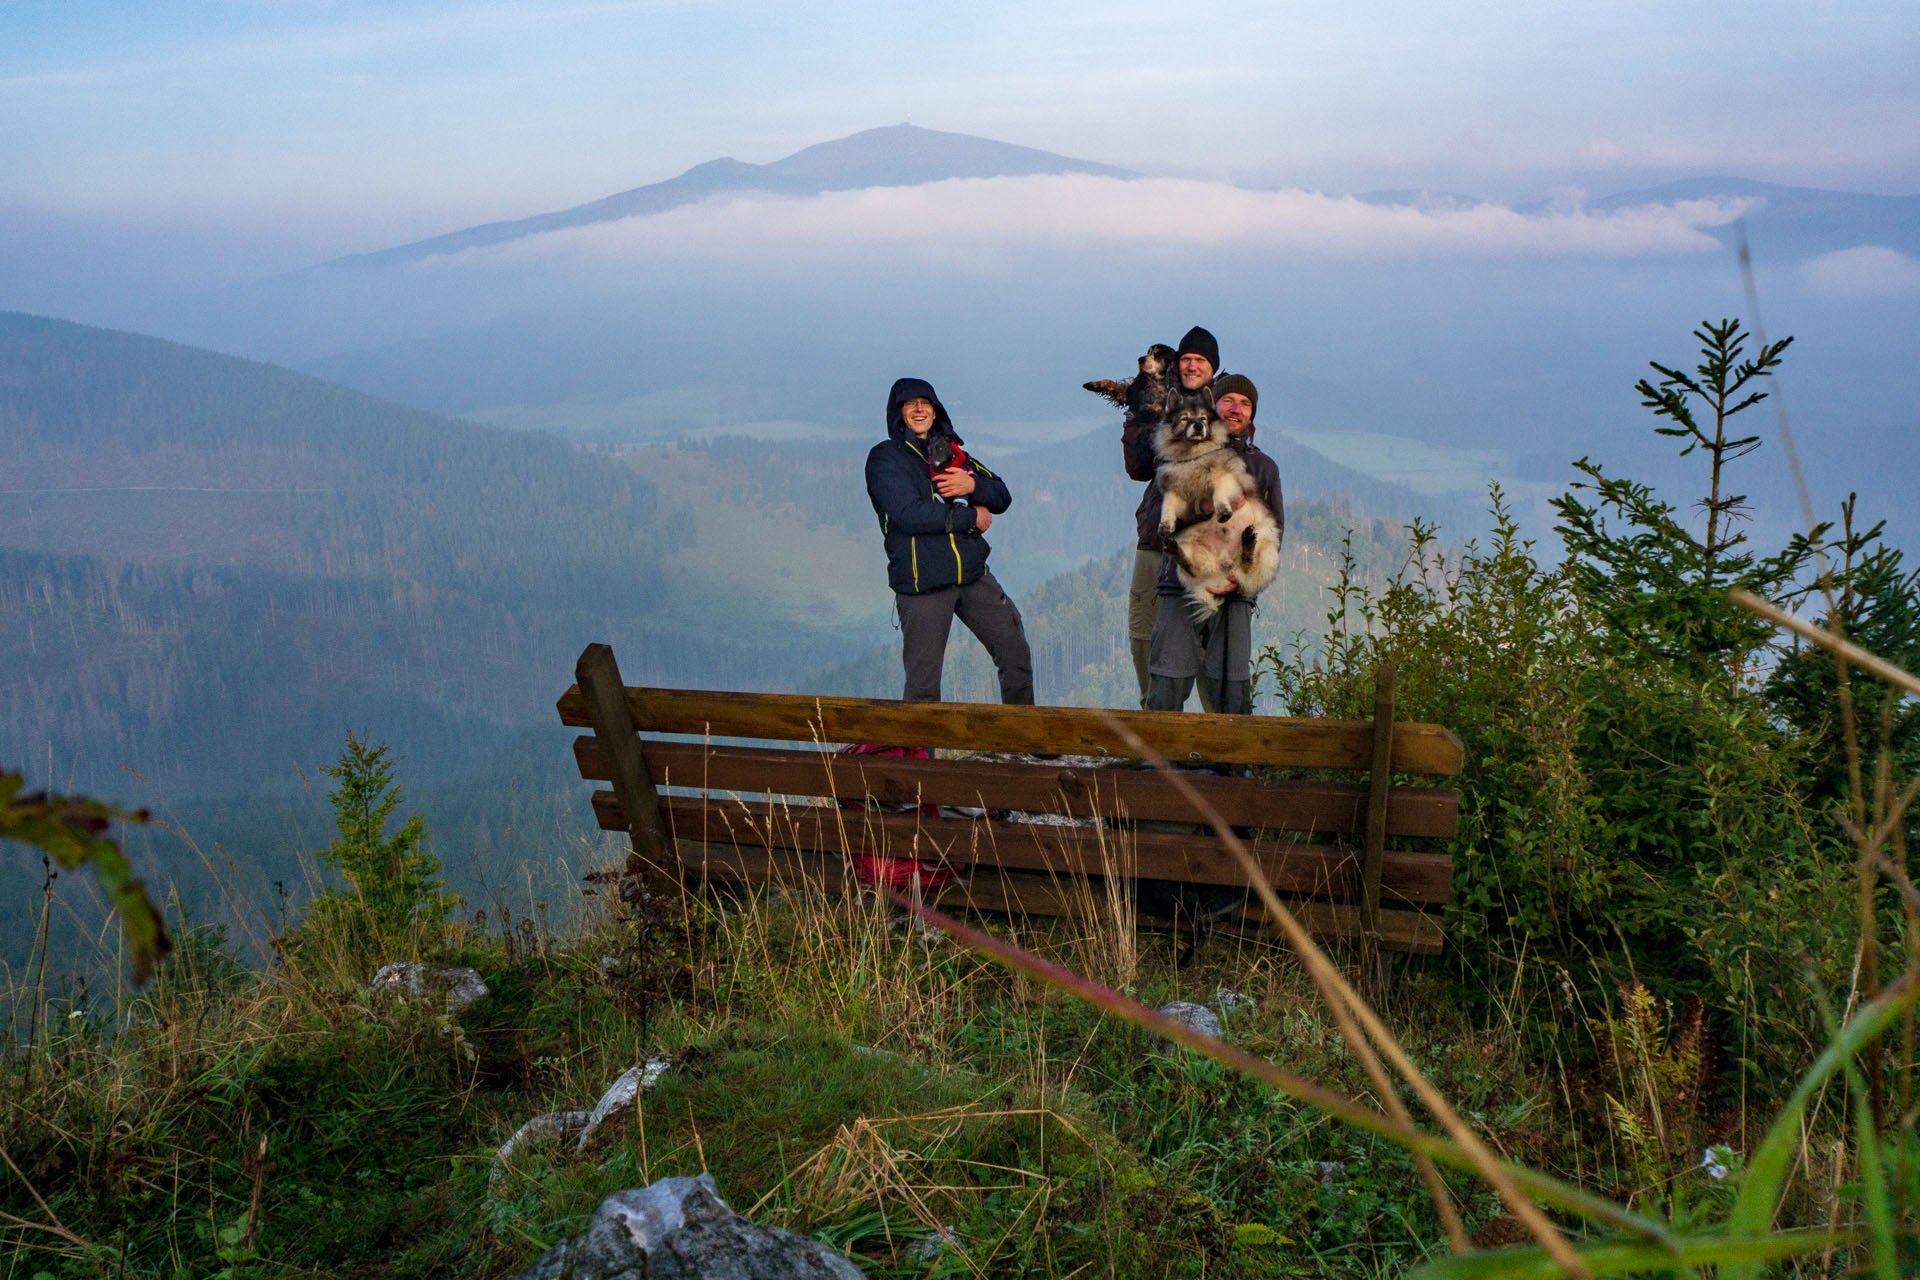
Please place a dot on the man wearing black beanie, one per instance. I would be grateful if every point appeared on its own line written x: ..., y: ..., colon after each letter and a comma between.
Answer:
x: 1215, y: 650
x: 1198, y: 361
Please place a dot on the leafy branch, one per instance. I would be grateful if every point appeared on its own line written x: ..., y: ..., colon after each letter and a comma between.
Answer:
x: 72, y: 829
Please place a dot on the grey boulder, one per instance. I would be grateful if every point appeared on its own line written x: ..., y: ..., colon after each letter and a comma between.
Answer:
x: 680, y: 1229
x: 1195, y: 1017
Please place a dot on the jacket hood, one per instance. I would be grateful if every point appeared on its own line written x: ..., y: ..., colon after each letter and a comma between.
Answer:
x: 906, y: 389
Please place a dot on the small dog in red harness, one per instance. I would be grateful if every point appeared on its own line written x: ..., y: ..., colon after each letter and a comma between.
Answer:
x: 944, y: 454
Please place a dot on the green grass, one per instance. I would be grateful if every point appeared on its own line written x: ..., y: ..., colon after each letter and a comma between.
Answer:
x: 836, y: 1075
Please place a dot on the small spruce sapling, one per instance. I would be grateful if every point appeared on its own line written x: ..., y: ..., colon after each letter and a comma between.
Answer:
x: 395, y: 879
x: 1658, y: 584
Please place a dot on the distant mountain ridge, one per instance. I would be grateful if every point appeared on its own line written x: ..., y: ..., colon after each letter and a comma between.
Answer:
x: 1794, y: 222
x: 900, y: 155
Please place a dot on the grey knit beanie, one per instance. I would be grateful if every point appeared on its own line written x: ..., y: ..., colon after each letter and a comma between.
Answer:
x: 1228, y: 383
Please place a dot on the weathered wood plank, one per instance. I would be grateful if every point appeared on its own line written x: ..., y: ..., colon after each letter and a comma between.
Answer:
x: 1291, y: 868
x: 1178, y: 736
x: 1028, y: 893
x: 1288, y: 805
x: 599, y: 682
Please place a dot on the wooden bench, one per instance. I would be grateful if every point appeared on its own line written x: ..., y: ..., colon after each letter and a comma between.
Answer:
x: 745, y: 813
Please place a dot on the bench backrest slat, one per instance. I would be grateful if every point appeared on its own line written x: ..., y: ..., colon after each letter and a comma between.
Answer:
x: 1177, y: 736
x: 1337, y: 808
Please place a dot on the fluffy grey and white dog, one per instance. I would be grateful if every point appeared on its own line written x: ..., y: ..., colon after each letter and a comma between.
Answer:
x: 1238, y: 549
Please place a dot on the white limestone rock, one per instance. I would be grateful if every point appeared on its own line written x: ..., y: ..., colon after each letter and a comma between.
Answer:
x: 680, y: 1229
x: 455, y: 986
x: 619, y: 1098
x: 555, y: 1124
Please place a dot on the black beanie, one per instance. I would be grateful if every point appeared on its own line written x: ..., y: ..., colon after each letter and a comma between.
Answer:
x: 1199, y: 342
x: 1228, y: 383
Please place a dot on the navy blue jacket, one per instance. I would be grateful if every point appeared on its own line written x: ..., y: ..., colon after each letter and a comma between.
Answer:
x: 931, y: 542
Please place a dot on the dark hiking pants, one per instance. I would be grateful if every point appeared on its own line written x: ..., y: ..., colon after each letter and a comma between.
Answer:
x: 986, y: 610
x: 1216, y: 650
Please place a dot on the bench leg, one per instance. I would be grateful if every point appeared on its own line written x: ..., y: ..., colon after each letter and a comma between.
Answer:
x: 1372, y: 958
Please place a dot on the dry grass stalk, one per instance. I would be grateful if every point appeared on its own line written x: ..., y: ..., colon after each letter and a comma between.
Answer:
x: 1870, y: 835
x: 862, y: 1165
x: 1341, y: 998
x: 1846, y: 649
x: 1538, y: 1185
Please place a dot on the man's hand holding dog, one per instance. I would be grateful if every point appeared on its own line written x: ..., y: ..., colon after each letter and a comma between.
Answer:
x: 957, y: 483
x: 1206, y: 505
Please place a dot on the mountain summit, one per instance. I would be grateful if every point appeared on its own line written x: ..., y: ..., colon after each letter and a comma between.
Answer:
x: 900, y: 155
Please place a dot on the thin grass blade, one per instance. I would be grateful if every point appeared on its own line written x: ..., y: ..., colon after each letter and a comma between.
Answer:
x: 1625, y: 1257
x: 1873, y: 1182
x: 1767, y: 1171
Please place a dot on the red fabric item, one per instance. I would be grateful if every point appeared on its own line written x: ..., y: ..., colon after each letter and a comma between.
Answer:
x: 959, y: 460
x: 895, y: 873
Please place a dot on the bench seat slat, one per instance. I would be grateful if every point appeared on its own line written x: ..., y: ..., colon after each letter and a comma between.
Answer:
x: 1330, y: 807
x: 1291, y: 868
x: 1179, y: 736
x: 1028, y: 892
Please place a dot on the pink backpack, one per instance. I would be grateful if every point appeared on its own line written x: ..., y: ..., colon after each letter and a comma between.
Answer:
x: 895, y: 873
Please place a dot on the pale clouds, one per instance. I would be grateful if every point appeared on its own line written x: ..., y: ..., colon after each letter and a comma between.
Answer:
x: 980, y: 218
x: 1868, y: 271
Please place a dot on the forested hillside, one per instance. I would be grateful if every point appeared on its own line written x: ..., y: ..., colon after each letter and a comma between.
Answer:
x: 215, y: 565
x: 211, y: 569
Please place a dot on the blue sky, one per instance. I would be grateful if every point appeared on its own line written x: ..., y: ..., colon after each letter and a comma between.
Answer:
x: 352, y: 125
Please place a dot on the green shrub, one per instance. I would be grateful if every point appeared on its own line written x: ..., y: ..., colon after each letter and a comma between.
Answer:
x: 1638, y: 789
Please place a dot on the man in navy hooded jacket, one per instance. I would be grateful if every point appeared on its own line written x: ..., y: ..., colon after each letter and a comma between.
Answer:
x: 933, y: 519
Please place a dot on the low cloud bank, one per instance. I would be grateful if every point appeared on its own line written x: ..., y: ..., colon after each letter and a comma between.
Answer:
x: 1869, y: 271
x: 981, y: 217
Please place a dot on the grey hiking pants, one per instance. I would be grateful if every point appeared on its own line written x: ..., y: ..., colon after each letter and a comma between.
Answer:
x: 1216, y: 650
x: 926, y: 619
